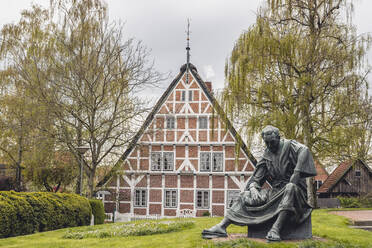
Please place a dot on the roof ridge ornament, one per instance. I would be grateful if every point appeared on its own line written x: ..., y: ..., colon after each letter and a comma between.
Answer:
x: 188, y: 51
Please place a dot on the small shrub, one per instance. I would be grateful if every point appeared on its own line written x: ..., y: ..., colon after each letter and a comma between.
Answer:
x: 356, y: 202
x: 206, y: 214
x: 98, y: 211
x: 349, y: 202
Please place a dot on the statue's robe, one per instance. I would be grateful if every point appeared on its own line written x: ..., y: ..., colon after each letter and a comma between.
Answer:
x: 277, y: 170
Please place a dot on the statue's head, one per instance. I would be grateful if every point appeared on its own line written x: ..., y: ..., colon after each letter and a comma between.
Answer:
x: 271, y: 136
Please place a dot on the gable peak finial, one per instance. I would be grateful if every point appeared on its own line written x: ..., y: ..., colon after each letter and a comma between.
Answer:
x: 188, y: 51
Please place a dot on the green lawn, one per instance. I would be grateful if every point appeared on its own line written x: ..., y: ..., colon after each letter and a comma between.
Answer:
x: 333, y: 228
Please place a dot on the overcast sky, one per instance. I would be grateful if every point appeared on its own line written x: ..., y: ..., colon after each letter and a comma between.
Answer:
x: 161, y: 25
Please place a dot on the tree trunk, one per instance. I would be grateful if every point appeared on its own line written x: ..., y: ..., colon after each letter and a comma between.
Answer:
x: 91, y: 183
x: 311, y: 193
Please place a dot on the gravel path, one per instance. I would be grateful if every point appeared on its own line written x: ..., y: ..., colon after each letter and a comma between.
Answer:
x: 358, y: 215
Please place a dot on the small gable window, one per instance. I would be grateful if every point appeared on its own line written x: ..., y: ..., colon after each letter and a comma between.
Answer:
x: 217, y: 161
x: 162, y: 161
x: 205, y: 161
x: 156, y: 161
x: 171, y: 122
x: 358, y: 173
x: 318, y: 183
x: 203, y: 122
x: 183, y: 95
x: 190, y: 95
x: 168, y: 161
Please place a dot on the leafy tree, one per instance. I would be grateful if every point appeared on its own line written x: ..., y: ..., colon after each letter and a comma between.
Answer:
x: 302, y: 67
x: 55, y: 171
x: 85, y: 72
x: 16, y: 125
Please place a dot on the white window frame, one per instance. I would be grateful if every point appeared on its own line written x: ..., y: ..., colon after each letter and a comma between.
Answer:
x: 170, y: 200
x: 203, y: 122
x: 205, y: 199
x: 318, y: 183
x: 215, y: 156
x: 159, y: 159
x: 141, y: 194
x: 205, y: 165
x: 183, y: 95
x: 231, y: 196
x: 171, y: 166
x: 170, y: 122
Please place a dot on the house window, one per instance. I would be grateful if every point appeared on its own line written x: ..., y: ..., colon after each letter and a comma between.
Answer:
x: 202, y: 199
x: 168, y: 161
x: 205, y: 161
x: 217, y: 161
x: 183, y: 95
x: 190, y: 95
x: 232, y: 195
x: 170, y: 198
x: 140, y: 198
x: 358, y: 173
x: 171, y: 121
x: 203, y: 122
x: 156, y: 161
x: 162, y: 161
x: 318, y: 184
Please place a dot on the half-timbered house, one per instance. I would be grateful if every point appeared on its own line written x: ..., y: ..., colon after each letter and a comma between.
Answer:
x: 186, y: 158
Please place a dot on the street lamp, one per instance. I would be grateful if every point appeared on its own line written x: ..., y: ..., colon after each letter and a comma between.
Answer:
x: 81, y: 150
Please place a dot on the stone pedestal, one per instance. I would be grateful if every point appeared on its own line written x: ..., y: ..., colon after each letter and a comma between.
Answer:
x: 290, y: 230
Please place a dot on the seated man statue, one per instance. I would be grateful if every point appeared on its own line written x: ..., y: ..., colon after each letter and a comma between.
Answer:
x: 284, y: 165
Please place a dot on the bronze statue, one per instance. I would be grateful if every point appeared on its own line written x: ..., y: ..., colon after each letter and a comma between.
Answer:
x: 285, y: 166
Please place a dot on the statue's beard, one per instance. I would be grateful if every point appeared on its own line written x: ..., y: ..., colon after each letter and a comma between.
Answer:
x: 273, y: 145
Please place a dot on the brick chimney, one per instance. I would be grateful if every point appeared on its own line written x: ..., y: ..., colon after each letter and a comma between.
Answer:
x: 209, y: 86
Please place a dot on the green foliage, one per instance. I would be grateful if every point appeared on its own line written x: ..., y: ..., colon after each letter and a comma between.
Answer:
x: 206, y: 214
x: 84, y: 72
x: 356, y: 202
x: 131, y: 229
x: 25, y: 213
x: 98, y: 211
x: 302, y: 67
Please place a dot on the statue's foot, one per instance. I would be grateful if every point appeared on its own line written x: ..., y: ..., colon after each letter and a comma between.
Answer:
x: 214, y: 232
x: 273, y: 235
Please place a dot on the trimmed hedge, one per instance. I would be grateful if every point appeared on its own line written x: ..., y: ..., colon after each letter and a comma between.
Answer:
x: 25, y: 213
x: 98, y: 211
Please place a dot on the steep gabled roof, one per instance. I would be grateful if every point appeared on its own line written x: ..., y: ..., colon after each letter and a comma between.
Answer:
x: 338, y: 174
x: 156, y: 108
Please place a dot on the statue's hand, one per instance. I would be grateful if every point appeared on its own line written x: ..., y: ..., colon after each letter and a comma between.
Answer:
x: 295, y: 178
x: 254, y: 193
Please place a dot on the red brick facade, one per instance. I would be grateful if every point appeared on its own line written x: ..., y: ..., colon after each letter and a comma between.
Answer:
x: 178, y: 162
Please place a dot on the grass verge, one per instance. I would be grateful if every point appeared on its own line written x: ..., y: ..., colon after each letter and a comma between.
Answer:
x: 332, y: 227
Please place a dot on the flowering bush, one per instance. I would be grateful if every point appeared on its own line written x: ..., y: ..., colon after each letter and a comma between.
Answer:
x: 130, y: 229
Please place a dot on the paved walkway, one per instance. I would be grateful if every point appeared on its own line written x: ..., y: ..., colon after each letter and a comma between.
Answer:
x: 357, y: 215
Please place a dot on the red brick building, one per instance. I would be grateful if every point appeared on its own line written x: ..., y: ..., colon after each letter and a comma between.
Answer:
x: 186, y: 156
